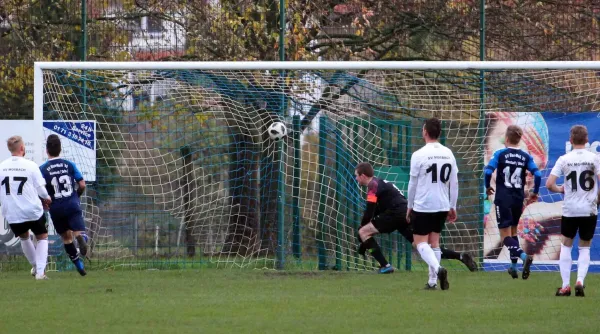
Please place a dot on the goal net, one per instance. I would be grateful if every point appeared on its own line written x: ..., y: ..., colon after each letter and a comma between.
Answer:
x: 187, y: 174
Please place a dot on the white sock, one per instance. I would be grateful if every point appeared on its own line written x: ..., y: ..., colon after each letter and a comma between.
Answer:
x: 28, y: 250
x: 564, y: 263
x: 583, y: 263
x: 438, y: 254
x: 41, y: 257
x: 428, y: 256
x: 432, y: 277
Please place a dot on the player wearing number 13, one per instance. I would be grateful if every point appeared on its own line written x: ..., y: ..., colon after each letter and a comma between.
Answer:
x: 511, y: 164
x: 65, y: 211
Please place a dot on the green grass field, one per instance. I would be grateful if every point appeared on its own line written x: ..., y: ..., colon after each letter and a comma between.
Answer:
x: 228, y: 301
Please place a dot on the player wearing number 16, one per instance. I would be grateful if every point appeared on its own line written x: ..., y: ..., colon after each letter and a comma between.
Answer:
x: 432, y: 195
x: 511, y: 164
x: 580, y: 208
x: 61, y: 176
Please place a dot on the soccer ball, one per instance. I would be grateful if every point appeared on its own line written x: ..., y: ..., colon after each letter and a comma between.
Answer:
x: 277, y: 131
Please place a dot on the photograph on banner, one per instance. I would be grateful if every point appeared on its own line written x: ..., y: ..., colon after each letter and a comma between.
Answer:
x: 539, y: 226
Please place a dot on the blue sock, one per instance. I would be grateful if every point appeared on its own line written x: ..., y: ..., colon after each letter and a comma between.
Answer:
x: 523, y: 256
x: 514, y: 248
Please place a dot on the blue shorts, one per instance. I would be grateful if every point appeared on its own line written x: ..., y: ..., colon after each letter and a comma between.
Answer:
x: 72, y: 222
x: 508, y: 216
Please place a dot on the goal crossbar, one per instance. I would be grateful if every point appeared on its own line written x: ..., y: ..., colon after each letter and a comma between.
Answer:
x: 324, y: 65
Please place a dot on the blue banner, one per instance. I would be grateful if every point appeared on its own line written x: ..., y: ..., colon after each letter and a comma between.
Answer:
x: 546, y: 138
x: 79, y: 132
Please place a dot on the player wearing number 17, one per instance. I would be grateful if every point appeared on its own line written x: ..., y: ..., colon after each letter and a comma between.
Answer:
x: 511, y: 164
x: 21, y: 187
x: 432, y: 195
x: 65, y: 211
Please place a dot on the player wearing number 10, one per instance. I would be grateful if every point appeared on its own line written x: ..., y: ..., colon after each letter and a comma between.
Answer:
x: 432, y: 195
x: 511, y: 164
x: 65, y: 211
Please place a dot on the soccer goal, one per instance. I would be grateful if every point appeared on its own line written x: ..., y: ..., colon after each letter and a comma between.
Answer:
x: 251, y: 164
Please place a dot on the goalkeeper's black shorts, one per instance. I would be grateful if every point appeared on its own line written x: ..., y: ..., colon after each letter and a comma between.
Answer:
x: 393, y: 220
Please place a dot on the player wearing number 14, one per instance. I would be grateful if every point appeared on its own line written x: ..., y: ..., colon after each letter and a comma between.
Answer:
x: 511, y: 164
x: 65, y: 211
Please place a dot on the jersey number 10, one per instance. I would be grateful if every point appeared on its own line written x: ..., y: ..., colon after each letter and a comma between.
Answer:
x: 444, y: 172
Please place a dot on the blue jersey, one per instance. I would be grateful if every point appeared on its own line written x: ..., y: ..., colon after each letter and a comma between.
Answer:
x: 511, y: 165
x: 61, y: 177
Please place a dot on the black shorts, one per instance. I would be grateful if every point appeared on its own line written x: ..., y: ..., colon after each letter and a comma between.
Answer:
x: 37, y: 227
x: 393, y: 220
x: 426, y: 222
x: 585, y: 225
x: 508, y: 216
x: 69, y: 222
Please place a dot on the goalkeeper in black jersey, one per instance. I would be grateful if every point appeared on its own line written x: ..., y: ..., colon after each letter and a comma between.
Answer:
x: 386, y: 213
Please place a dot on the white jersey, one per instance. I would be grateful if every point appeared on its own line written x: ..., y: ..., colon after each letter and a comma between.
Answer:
x: 580, y: 168
x: 19, y: 199
x: 434, y: 166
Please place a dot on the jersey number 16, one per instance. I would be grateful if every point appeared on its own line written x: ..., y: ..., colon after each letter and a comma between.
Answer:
x: 586, y: 180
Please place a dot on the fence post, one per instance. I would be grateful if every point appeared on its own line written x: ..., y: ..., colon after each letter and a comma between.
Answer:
x: 322, y: 252
x: 481, y: 126
x: 296, y: 232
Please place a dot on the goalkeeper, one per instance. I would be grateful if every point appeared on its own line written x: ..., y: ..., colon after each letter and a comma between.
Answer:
x: 386, y: 213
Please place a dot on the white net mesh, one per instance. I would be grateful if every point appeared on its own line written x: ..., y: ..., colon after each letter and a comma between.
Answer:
x: 187, y: 173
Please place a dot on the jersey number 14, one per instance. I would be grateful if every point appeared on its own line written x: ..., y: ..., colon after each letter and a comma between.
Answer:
x: 513, y: 180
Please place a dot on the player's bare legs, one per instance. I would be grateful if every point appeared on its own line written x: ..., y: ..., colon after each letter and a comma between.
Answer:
x: 369, y: 243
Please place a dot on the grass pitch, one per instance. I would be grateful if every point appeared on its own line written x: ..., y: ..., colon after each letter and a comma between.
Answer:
x: 229, y: 301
